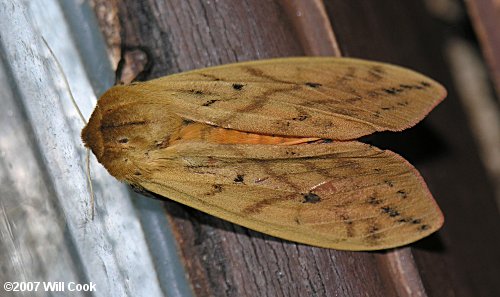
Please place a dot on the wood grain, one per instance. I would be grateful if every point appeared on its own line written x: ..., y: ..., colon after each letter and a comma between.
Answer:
x: 459, y: 260
x: 485, y: 16
x: 223, y: 259
x: 226, y: 260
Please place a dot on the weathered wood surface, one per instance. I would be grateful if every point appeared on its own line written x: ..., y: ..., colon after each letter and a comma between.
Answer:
x: 222, y: 259
x: 46, y: 233
x: 464, y: 261
x: 485, y: 16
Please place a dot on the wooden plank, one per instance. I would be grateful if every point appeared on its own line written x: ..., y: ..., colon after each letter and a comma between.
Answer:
x: 485, y: 16
x: 462, y: 259
x: 46, y: 234
x: 312, y: 26
x: 223, y: 259
x: 226, y: 260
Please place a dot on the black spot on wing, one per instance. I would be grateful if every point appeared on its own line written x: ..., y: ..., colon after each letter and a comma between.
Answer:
x: 373, y: 235
x: 423, y: 227
x: 393, y: 91
x: 238, y: 87
x: 301, y: 117
x: 313, y: 85
x: 311, y: 198
x: 216, y: 188
x: 372, y: 200
x: 239, y: 178
x: 209, y: 102
x: 196, y: 92
x: 402, y: 194
x: 349, y: 224
x: 390, y: 211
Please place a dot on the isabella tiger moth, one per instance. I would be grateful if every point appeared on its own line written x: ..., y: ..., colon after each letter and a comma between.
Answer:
x: 270, y: 145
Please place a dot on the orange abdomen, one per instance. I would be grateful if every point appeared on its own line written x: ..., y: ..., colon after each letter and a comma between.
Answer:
x: 212, y: 134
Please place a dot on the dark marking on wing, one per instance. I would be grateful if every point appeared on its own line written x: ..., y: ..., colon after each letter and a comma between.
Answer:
x: 238, y: 87
x: 257, y: 103
x: 257, y: 207
x: 390, y: 211
x: 373, y: 94
x: 120, y: 125
x: 210, y: 76
x: 162, y: 143
x: 123, y: 140
x: 375, y: 73
x: 311, y: 198
x: 301, y: 117
x: 404, y: 87
x: 324, y: 173
x: 423, y: 227
x: 205, y: 168
x: 393, y: 91
x: 313, y: 85
x: 373, y: 236
x: 209, y: 102
x: 344, y: 82
x: 259, y: 73
x: 216, y: 188
x: 279, y: 177
x: 239, y: 178
x: 409, y: 87
x: 140, y: 190
x: 353, y: 164
x: 402, y: 194
x: 353, y: 100
x: 373, y: 200
x: 282, y: 125
x: 349, y: 224
x: 196, y: 92
x: 346, y: 111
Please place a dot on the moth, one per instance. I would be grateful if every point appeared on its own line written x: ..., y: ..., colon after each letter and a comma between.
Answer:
x: 271, y: 145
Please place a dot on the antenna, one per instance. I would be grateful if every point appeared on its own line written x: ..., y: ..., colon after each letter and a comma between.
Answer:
x: 89, y: 178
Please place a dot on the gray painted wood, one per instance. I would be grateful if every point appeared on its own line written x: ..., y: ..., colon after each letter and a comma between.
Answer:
x: 46, y: 233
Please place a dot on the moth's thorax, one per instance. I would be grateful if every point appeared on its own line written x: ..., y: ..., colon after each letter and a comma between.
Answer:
x: 127, y: 123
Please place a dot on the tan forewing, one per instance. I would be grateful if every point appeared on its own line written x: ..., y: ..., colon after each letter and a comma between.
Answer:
x: 336, y: 98
x: 345, y: 195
